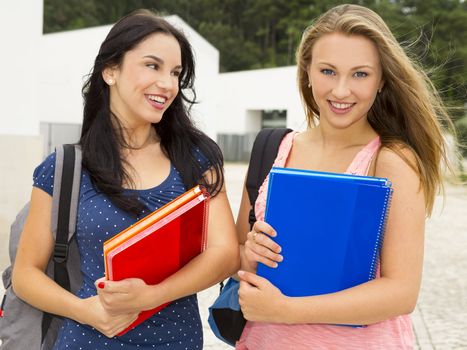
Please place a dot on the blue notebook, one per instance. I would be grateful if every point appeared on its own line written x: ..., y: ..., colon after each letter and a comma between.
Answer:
x: 330, y: 227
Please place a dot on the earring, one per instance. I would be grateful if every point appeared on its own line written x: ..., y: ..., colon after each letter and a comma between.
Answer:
x: 309, y: 85
x: 379, y: 90
x: 110, y: 82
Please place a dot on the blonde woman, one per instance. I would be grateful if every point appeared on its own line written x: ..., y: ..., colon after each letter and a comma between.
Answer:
x: 378, y: 115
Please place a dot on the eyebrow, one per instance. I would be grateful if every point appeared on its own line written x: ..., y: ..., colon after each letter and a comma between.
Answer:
x: 160, y: 60
x: 354, y: 68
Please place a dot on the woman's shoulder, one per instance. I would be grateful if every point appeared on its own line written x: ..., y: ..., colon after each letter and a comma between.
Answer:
x: 43, y: 175
x: 397, y: 162
x: 395, y: 155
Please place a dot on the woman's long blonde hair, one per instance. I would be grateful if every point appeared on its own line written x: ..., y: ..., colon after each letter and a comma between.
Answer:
x: 408, y: 111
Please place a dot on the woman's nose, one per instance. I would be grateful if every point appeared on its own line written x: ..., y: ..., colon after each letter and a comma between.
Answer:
x: 341, y: 89
x: 164, y: 82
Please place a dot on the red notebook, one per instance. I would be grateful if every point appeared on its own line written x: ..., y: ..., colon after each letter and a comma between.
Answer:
x: 176, y: 234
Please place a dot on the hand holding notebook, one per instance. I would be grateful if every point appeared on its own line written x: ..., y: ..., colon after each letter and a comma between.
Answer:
x: 330, y: 228
x: 160, y: 244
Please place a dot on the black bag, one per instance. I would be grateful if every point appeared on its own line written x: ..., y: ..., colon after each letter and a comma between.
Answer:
x: 225, y: 316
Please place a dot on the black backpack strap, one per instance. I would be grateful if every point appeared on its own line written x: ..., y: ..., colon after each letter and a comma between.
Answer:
x: 60, y: 253
x: 263, y: 154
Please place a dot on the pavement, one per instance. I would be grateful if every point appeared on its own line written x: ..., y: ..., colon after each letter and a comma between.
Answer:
x: 440, y: 318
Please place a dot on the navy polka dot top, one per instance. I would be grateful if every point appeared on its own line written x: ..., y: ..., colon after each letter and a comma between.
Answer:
x: 177, y: 326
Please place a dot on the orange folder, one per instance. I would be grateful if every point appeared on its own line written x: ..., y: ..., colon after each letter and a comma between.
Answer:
x: 160, y: 244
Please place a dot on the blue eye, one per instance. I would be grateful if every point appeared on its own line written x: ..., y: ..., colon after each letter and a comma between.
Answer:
x: 360, y: 74
x: 327, y: 71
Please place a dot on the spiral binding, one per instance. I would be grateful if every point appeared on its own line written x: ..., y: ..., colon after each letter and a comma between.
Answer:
x: 381, y: 231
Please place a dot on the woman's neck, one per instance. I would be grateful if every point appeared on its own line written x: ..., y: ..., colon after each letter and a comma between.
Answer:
x: 332, y: 138
x: 135, y: 137
x: 141, y: 137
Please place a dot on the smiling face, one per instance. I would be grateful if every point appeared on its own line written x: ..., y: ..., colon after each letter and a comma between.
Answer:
x: 345, y: 75
x: 147, y: 81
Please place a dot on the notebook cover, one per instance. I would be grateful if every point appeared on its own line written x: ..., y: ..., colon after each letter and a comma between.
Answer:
x: 152, y: 218
x: 161, y: 249
x: 330, y: 227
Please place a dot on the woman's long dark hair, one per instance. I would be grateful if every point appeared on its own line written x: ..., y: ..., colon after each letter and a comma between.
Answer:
x: 101, y: 137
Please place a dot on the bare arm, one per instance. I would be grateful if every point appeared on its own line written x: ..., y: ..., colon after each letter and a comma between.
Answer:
x: 34, y: 251
x: 395, y: 293
x: 242, y: 224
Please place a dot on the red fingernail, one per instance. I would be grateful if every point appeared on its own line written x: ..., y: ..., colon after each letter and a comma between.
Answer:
x: 101, y: 285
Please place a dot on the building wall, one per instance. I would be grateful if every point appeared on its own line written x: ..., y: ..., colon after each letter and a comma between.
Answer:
x: 255, y: 90
x: 21, y: 30
x: 242, y: 98
x: 207, y: 71
x: 64, y: 61
x: 19, y: 156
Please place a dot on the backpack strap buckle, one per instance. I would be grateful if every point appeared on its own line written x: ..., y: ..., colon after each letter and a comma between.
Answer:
x: 60, y: 252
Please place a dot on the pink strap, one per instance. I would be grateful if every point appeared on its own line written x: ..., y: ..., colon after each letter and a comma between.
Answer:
x: 362, y: 161
x: 284, y: 149
x: 360, y: 164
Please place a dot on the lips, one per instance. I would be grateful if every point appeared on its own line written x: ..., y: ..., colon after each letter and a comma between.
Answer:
x: 340, y: 107
x: 157, y: 101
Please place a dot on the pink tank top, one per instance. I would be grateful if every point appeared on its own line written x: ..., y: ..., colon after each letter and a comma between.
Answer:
x: 395, y: 333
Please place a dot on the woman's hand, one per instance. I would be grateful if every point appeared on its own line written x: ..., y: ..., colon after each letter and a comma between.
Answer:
x: 259, y: 299
x: 98, y: 317
x: 131, y: 295
x: 259, y: 247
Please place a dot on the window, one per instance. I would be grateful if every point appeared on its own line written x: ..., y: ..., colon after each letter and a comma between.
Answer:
x: 274, y: 118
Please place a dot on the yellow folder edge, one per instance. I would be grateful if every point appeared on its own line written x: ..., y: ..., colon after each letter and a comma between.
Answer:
x: 149, y: 220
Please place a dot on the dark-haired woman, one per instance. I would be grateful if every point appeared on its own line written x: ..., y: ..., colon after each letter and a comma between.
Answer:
x: 140, y: 150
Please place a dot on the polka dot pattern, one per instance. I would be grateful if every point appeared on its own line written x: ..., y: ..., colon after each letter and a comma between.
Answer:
x: 177, y: 326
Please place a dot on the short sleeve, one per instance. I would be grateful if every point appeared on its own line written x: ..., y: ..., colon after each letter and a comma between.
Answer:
x: 204, y: 162
x: 43, y: 176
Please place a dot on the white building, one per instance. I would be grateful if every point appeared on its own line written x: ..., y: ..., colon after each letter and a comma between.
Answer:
x: 41, y: 103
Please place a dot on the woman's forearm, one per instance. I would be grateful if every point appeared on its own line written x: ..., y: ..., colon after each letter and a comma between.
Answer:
x: 37, y: 289
x: 372, y: 302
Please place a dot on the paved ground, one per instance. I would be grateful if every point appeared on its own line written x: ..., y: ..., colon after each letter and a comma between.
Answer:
x: 440, y: 320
